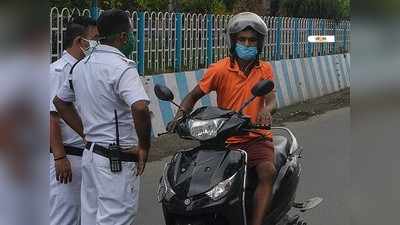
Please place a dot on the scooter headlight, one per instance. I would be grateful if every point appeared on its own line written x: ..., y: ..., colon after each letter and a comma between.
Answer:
x: 164, y: 189
x: 221, y: 188
x: 205, y: 129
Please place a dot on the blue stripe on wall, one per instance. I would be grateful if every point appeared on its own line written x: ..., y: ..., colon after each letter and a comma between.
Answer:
x: 347, y: 67
x: 281, y: 102
x: 152, y: 134
x: 314, y: 76
x: 328, y: 68
x: 182, y: 83
x: 347, y: 63
x: 321, y: 74
x: 297, y: 79
x: 287, y: 81
x: 339, y: 73
x: 336, y: 72
x: 342, y: 72
x: 306, y: 78
x: 205, y: 101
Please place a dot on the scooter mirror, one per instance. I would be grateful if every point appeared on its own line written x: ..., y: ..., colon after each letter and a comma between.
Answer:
x: 163, y: 93
x: 262, y: 88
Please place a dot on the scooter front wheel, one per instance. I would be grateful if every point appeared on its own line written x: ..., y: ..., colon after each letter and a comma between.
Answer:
x: 199, y: 222
x: 191, y: 223
x: 301, y: 223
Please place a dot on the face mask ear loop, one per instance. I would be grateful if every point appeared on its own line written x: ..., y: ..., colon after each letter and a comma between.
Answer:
x: 124, y: 33
x: 97, y: 44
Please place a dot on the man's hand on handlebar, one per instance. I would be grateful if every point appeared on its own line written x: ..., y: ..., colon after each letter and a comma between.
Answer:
x: 264, y: 117
x: 171, y: 126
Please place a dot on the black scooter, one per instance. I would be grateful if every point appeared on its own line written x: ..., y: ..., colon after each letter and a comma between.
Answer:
x: 210, y: 185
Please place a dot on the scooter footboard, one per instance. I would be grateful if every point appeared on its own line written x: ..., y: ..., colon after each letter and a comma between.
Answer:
x: 233, y: 215
x: 192, y: 221
x: 214, y: 219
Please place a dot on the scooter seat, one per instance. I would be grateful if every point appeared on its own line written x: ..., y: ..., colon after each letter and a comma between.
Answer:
x: 280, y: 144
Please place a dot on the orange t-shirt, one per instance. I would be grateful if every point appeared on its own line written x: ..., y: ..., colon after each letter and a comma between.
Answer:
x: 233, y: 88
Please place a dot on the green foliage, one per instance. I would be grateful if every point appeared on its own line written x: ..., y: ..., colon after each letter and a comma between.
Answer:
x: 332, y: 9
x: 344, y: 9
x: 203, y: 6
x: 218, y: 7
x: 229, y: 4
x: 103, y: 4
x: 152, y: 5
x: 70, y: 3
x: 110, y: 4
x: 194, y: 6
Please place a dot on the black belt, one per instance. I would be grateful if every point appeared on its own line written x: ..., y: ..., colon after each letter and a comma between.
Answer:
x: 69, y: 150
x: 100, y: 150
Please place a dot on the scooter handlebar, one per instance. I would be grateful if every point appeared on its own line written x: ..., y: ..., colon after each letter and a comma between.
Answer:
x: 257, y: 126
x: 161, y: 134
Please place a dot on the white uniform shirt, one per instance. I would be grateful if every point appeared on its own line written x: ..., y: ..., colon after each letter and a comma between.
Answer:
x: 59, y: 73
x: 103, y: 82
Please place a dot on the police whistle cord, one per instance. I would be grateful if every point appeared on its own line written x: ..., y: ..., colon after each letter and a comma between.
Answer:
x: 116, y: 127
x: 115, y: 150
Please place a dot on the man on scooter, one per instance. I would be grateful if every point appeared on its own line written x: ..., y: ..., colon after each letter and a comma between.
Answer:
x: 233, y: 78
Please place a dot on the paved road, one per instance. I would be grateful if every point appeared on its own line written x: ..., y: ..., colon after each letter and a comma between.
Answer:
x: 326, y: 142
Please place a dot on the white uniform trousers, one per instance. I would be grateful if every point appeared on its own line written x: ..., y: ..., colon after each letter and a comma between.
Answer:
x: 65, y: 202
x: 108, y: 198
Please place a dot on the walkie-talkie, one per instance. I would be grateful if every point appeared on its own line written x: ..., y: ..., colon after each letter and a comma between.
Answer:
x: 115, y: 150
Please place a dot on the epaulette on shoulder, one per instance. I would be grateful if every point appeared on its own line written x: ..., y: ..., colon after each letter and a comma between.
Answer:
x: 60, y: 65
x: 129, y: 61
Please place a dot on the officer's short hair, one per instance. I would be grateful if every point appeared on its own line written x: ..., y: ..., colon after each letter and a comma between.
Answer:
x: 112, y: 22
x: 77, y: 26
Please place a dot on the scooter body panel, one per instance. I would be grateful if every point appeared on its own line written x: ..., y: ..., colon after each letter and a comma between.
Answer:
x: 202, y: 170
x: 192, y: 204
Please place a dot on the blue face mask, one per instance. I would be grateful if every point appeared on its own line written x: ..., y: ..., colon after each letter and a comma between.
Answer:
x: 246, y: 53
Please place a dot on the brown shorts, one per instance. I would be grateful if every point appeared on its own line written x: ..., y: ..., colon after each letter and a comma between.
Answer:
x: 257, y: 151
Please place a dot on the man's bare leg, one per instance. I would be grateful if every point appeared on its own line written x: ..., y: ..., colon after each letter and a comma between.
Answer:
x: 265, y: 172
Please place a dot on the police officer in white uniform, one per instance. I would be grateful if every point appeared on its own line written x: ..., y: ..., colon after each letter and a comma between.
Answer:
x: 65, y: 144
x: 104, y: 84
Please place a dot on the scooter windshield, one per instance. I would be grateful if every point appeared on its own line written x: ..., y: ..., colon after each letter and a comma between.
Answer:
x: 211, y: 112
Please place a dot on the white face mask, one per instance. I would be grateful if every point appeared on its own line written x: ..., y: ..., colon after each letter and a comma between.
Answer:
x: 92, y: 44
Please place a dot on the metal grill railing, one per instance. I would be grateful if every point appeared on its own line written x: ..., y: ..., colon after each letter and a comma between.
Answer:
x: 172, y: 42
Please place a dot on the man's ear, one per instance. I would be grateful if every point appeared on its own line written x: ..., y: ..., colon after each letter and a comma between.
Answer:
x: 124, y: 37
x: 77, y: 41
x: 120, y: 39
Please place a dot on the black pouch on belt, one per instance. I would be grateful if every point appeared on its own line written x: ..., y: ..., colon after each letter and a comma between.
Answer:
x: 114, y: 155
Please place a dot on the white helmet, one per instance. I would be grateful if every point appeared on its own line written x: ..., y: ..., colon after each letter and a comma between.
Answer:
x: 243, y: 20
